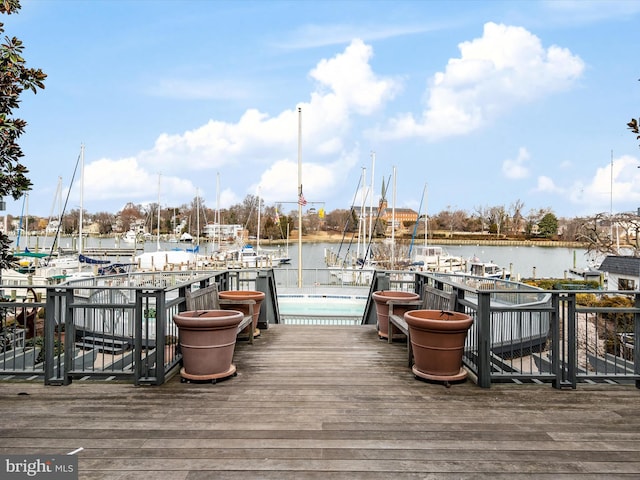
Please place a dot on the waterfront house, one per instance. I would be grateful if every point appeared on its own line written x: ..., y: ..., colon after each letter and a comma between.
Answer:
x: 623, y: 272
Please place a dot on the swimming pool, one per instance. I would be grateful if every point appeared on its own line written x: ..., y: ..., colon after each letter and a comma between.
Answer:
x: 318, y: 309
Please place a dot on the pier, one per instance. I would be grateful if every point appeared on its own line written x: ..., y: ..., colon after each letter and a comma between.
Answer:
x: 317, y: 402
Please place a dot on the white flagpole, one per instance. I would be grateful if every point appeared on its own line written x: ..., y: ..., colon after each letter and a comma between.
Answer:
x: 299, y: 197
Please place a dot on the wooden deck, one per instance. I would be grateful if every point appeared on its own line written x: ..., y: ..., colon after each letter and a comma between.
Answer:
x: 326, y: 402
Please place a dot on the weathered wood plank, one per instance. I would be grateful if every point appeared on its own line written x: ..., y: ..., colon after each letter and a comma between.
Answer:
x: 326, y: 402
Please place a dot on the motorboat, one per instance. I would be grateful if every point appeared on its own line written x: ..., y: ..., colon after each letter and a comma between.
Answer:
x: 434, y: 258
x: 478, y: 268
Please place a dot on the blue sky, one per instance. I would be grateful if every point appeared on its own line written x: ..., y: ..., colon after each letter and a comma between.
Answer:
x: 483, y: 103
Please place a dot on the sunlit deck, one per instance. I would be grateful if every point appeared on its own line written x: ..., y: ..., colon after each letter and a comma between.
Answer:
x: 326, y: 402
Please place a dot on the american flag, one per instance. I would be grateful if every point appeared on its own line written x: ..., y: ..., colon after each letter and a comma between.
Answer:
x: 301, y: 200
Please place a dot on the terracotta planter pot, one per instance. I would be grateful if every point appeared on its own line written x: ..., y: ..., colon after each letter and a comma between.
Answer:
x: 207, y: 342
x: 381, y: 298
x: 437, y: 338
x: 240, y: 295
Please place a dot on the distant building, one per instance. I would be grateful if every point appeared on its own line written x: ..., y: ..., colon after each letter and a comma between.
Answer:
x: 387, y: 214
x: 623, y: 272
x: 223, y: 231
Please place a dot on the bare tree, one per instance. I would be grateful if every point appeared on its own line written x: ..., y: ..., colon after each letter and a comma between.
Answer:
x: 517, y: 220
x: 601, y: 233
x: 496, y: 217
x: 481, y: 213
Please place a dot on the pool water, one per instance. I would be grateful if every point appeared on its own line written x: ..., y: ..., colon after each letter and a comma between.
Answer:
x: 322, y: 308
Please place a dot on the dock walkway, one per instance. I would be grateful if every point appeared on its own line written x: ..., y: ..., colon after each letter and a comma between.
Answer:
x: 323, y: 402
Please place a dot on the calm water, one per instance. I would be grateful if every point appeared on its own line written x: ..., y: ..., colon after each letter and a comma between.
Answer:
x: 547, y: 261
x: 523, y: 261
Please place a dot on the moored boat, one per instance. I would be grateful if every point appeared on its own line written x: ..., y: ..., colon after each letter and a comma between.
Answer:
x: 478, y: 268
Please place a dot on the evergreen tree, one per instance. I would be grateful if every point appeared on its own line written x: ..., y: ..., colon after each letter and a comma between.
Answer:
x: 15, y: 77
x: 548, y: 225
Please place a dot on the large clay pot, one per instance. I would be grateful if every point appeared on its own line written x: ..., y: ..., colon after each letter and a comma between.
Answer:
x: 437, y: 338
x: 207, y: 342
x: 241, y: 295
x: 381, y: 299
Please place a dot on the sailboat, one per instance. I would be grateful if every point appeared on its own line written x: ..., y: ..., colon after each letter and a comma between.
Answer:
x: 358, y: 268
x: 50, y: 268
x: 432, y: 258
x: 175, y: 259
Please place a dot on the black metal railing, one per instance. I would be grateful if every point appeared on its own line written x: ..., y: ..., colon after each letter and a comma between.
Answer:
x: 109, y: 327
x: 524, y: 334
x: 120, y: 327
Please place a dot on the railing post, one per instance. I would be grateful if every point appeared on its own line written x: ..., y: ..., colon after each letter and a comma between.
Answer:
x: 563, y: 341
x: 147, y: 372
x: 270, y: 302
x: 182, y: 294
x: 572, y: 351
x: 161, y: 321
x: 556, y: 365
x: 140, y: 370
x: 56, y: 372
x: 636, y: 341
x: 49, y: 321
x: 483, y: 317
x: 380, y: 281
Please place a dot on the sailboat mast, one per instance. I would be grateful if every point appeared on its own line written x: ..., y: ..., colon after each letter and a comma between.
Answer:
x: 197, y: 217
x: 415, y: 227
x: 426, y: 216
x: 393, y: 222
x: 216, y: 218
x: 26, y: 222
x: 80, y: 223
x: 373, y: 166
x: 158, y: 234
x: 258, y: 232
x: 363, y: 218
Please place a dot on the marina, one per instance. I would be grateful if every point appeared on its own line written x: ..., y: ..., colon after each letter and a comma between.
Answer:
x: 523, y: 259
x: 318, y: 393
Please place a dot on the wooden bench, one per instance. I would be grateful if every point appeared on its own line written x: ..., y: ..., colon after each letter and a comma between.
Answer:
x: 207, y: 298
x: 433, y: 299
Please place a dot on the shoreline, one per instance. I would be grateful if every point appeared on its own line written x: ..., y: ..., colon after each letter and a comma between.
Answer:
x: 325, y: 237
x: 328, y: 238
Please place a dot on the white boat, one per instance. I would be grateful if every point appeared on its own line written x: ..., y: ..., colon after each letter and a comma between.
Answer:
x: 487, y: 269
x: 166, y: 260
x: 186, y: 237
x: 251, y: 258
x: 132, y: 237
x: 352, y: 276
x: 434, y: 258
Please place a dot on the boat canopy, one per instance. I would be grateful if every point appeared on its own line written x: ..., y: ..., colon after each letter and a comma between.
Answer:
x: 30, y: 254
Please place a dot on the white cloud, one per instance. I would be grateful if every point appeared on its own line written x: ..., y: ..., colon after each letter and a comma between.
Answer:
x: 517, y: 169
x: 259, y: 147
x: 547, y: 185
x: 604, y: 188
x: 506, y: 67
x: 125, y: 179
x: 349, y: 76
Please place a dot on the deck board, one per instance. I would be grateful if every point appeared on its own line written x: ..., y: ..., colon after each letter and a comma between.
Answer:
x: 326, y: 402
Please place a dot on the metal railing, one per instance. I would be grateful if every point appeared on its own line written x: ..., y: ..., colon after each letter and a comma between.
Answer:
x: 105, y: 327
x: 563, y: 337
x: 120, y: 327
